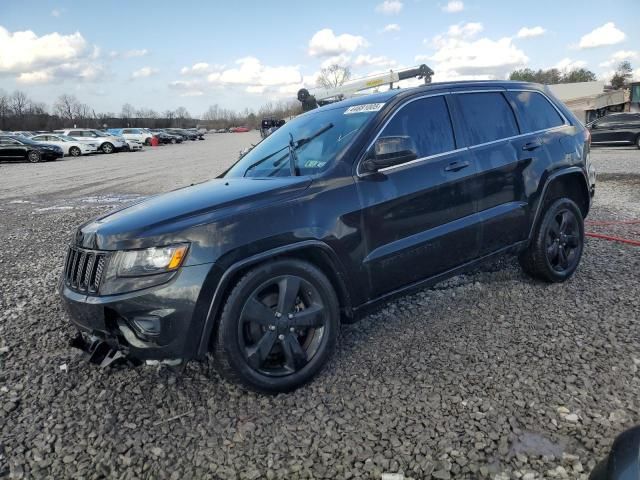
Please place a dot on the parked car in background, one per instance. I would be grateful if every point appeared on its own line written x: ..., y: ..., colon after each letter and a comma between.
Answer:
x: 141, y: 135
x: 239, y: 129
x: 70, y: 146
x: 197, y: 132
x: 23, y: 133
x: 107, y: 143
x: 18, y: 147
x: 187, y: 135
x: 337, y: 211
x: 133, y: 145
x: 616, y: 129
x: 165, y: 137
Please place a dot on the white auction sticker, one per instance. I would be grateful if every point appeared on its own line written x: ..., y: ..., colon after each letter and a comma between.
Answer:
x: 367, y: 107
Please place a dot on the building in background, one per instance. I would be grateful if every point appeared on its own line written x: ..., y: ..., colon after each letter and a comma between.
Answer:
x: 590, y: 100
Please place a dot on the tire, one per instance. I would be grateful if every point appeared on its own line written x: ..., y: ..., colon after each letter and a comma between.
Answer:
x: 270, y: 351
x: 106, y: 147
x: 75, y: 152
x: 556, y: 248
x: 173, y: 141
x: 34, y: 156
x: 147, y: 142
x: 638, y: 141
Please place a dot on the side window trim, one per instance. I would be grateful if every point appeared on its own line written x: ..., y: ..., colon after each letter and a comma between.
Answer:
x: 452, y: 115
x: 417, y: 160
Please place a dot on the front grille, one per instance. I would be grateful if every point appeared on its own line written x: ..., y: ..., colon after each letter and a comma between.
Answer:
x: 83, y: 269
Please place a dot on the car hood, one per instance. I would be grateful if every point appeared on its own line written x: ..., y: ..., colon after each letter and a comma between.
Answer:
x: 168, y: 218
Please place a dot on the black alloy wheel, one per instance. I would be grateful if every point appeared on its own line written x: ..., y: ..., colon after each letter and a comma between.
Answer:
x: 563, y: 241
x: 281, y: 325
x: 278, y: 327
x: 557, y: 244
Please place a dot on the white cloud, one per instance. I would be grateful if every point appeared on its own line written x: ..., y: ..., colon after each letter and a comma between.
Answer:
x: 135, y: 53
x: 460, y: 56
x: 567, y: 64
x: 453, y: 6
x: 325, y: 43
x: 392, y: 27
x: 529, y: 32
x: 251, y: 72
x: 607, y: 34
x: 636, y: 74
x: 343, y: 60
x: 200, y: 68
x: 369, y: 60
x: 256, y: 88
x: 618, y: 57
x: 389, y: 7
x: 55, y: 12
x: 25, y: 51
x: 144, y: 72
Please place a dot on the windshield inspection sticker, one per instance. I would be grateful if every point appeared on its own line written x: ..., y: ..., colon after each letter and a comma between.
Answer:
x: 367, y: 107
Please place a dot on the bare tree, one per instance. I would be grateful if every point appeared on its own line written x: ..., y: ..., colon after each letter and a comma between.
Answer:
x: 66, y: 107
x: 19, y: 103
x: 4, y: 108
x: 333, y: 76
x: 127, y: 111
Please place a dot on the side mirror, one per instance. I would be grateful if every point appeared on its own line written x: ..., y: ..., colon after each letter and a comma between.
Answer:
x: 390, y: 151
x: 623, y: 461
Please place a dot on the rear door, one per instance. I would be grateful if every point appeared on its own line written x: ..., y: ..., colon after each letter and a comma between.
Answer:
x: 606, y: 130
x: 418, y: 217
x: 502, y: 158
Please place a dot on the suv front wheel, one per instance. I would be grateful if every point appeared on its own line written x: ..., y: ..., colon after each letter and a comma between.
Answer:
x: 557, y: 245
x: 278, y: 327
x: 107, y: 148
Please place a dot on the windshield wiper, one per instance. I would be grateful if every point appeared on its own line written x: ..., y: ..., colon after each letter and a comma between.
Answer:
x: 262, y: 160
x: 293, y: 146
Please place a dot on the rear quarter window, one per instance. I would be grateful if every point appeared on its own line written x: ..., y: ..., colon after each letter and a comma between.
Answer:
x: 534, y: 111
x: 486, y: 117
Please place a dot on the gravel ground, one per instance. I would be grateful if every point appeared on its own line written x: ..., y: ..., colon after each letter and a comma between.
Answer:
x: 489, y: 375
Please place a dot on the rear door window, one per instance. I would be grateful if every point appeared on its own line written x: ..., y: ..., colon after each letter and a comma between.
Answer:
x: 535, y: 111
x: 427, y: 122
x: 486, y: 117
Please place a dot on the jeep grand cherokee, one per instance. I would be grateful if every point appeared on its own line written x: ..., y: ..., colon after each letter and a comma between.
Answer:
x: 340, y: 209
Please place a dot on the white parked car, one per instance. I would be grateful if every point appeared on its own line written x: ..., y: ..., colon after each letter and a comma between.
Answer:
x: 70, y: 146
x: 106, y: 143
x: 133, y: 145
x: 142, y: 135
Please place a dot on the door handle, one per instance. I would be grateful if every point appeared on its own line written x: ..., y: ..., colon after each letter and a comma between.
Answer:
x: 532, y: 145
x: 455, y: 166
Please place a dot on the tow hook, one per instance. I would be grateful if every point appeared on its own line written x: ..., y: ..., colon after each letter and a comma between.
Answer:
x: 100, y: 352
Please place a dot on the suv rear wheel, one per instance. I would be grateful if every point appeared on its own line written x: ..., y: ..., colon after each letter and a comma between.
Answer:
x: 557, y: 245
x: 278, y: 327
x: 638, y: 141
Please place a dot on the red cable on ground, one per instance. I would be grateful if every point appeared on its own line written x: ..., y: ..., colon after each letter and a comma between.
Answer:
x: 613, y: 239
x: 616, y: 222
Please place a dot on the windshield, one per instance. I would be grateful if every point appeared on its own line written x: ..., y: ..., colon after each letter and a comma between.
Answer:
x: 327, y: 132
x: 65, y: 138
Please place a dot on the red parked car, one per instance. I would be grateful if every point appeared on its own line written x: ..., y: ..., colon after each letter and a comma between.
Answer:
x: 239, y: 129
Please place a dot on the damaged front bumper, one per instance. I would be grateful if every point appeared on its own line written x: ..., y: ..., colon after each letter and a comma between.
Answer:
x: 162, y: 323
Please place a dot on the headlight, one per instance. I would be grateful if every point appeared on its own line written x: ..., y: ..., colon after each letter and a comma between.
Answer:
x: 135, y: 263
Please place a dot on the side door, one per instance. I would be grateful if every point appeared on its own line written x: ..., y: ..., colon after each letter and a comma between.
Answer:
x: 7, y: 148
x: 418, y: 217
x: 605, y: 130
x: 502, y: 158
x: 630, y: 127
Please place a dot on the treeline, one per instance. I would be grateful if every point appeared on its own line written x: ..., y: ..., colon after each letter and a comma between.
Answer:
x: 553, y: 76
x: 19, y: 112
x: 620, y: 79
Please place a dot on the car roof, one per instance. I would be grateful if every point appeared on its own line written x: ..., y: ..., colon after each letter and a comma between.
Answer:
x: 383, y: 97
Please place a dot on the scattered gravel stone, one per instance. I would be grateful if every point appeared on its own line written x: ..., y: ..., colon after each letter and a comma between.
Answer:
x: 476, y: 378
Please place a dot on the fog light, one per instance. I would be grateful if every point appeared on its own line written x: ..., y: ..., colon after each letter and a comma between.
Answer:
x: 147, y: 325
